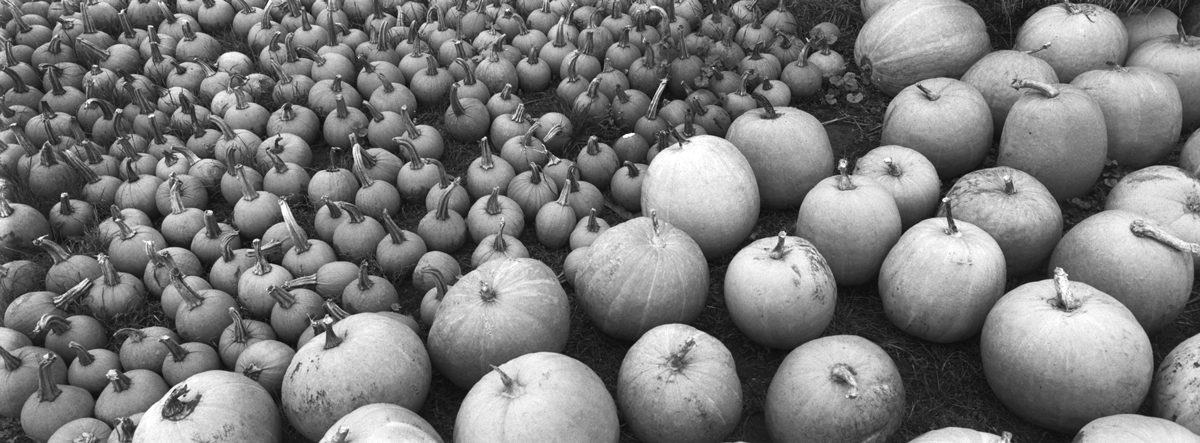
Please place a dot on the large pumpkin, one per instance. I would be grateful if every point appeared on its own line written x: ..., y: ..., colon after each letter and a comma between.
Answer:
x: 537, y: 397
x: 704, y: 186
x: 1015, y: 209
x: 1060, y: 354
x: 1142, y: 112
x: 1165, y: 194
x: 1082, y: 37
x: 501, y: 310
x: 941, y: 279
x: 362, y: 359
x: 1147, y: 24
x: 364, y: 425
x: 679, y: 384
x: 212, y: 406
x: 1057, y: 134
x: 1174, y: 396
x: 1134, y: 428
x: 946, y: 120
x: 640, y: 274
x: 912, y: 40
x: 788, y: 149
x: 1132, y: 259
x: 1177, y: 56
x: 780, y: 292
x: 993, y: 74
x: 840, y: 388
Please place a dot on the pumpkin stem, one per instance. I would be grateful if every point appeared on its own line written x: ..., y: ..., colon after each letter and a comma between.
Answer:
x: 11, y: 362
x: 1143, y: 229
x: 499, y: 244
x: 678, y: 359
x: 932, y: 96
x: 335, y: 311
x: 54, y: 324
x: 893, y: 170
x: 190, y: 296
x: 119, y: 381
x: 844, y: 181
x: 1062, y: 287
x: 72, y: 294
x: 1006, y: 437
x: 239, y: 328
x: 82, y: 355
x: 1044, y: 88
x: 951, y: 228
x: 1009, y: 188
x: 364, y: 278
x: 1044, y: 47
x: 332, y: 340
x: 779, y: 251
x: 394, y: 232
x: 48, y: 391
x: 486, y: 292
x: 593, y: 224
x: 511, y: 388
x: 844, y: 374
x: 177, y: 409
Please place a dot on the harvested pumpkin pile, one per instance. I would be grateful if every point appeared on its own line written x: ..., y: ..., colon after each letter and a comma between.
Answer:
x: 348, y: 221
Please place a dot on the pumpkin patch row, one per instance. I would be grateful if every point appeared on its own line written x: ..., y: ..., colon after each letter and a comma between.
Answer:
x: 203, y: 157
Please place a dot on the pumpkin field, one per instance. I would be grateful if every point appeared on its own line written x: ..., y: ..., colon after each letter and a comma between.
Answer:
x: 752, y: 221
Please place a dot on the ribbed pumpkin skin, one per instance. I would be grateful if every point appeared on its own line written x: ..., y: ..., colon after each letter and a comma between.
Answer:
x: 1142, y: 112
x: 950, y: 126
x: 706, y: 188
x: 853, y: 229
x: 1082, y: 37
x: 783, y: 300
x: 806, y: 403
x: 229, y: 407
x: 1060, y: 370
x: 1026, y: 223
x: 1166, y: 194
x: 870, y: 7
x: 1134, y: 428
x: 554, y: 398
x: 366, y: 419
x: 529, y: 313
x: 700, y: 400
x: 1150, y: 278
x: 938, y: 285
x: 993, y: 74
x: 957, y: 435
x: 636, y: 276
x: 1180, y: 60
x: 913, y: 40
x: 379, y: 360
x: 1062, y: 141
x: 1174, y: 396
x: 789, y: 153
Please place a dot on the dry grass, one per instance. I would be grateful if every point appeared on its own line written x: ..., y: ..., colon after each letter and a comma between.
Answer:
x: 944, y: 383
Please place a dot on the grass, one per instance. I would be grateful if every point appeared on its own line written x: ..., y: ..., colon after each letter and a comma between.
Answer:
x: 944, y: 383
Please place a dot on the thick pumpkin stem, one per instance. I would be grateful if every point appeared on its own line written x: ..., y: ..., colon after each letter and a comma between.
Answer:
x: 951, y: 228
x: 334, y: 311
x: 1143, y: 229
x: 48, y: 391
x: 768, y: 109
x: 1062, y: 288
x: 239, y: 328
x: 1009, y: 188
x: 844, y: 181
x: 82, y: 355
x: 178, y: 353
x: 932, y: 96
x: 511, y: 388
x: 1044, y: 88
x: 677, y: 361
x: 893, y: 170
x: 779, y: 251
x: 119, y: 381
x: 486, y: 293
x: 844, y: 374
x: 364, y: 278
x: 332, y: 340
x: 176, y: 408
x: 1006, y: 437
x: 499, y: 244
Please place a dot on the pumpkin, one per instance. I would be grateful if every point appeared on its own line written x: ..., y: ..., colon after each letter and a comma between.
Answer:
x: 993, y: 74
x: 941, y: 279
x: 944, y: 119
x: 961, y: 435
x: 870, y: 7
x: 640, y: 274
x: 839, y: 388
x: 1177, y: 56
x: 1189, y: 156
x: 679, y: 384
x: 540, y: 396
x: 853, y: 221
x: 1081, y: 349
x: 1142, y: 112
x: 787, y: 148
x: 1165, y: 194
x: 908, y: 176
x: 362, y: 424
x: 1143, y: 266
x: 705, y: 187
x: 1147, y: 24
x: 1134, y: 428
x: 19, y: 371
x: 780, y: 292
x: 1082, y: 37
x: 1015, y: 209
x: 1057, y: 134
x: 1174, y: 396
x: 362, y: 359
x: 503, y: 309
x: 212, y: 406
x: 913, y: 40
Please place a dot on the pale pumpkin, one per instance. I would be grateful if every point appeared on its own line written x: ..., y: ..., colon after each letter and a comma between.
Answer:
x: 780, y: 292
x: 503, y: 309
x: 941, y: 279
x: 1080, y: 350
x: 679, y: 384
x: 1165, y: 194
x: 840, y: 388
x: 993, y: 74
x: 640, y: 274
x: 361, y: 424
x: 908, y: 176
x: 1174, y: 396
x: 1142, y: 112
x: 1148, y: 24
x: 1134, y: 428
x: 944, y: 119
x: 705, y: 187
x: 536, y: 397
x: 1015, y: 209
x: 1177, y: 56
x: 913, y: 40
x: 788, y: 149
x: 212, y: 406
x: 1082, y: 37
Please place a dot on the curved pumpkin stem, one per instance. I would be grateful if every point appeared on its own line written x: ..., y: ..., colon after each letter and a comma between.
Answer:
x: 844, y: 374
x: 1062, y: 288
x: 1044, y: 88
x: 1143, y: 229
